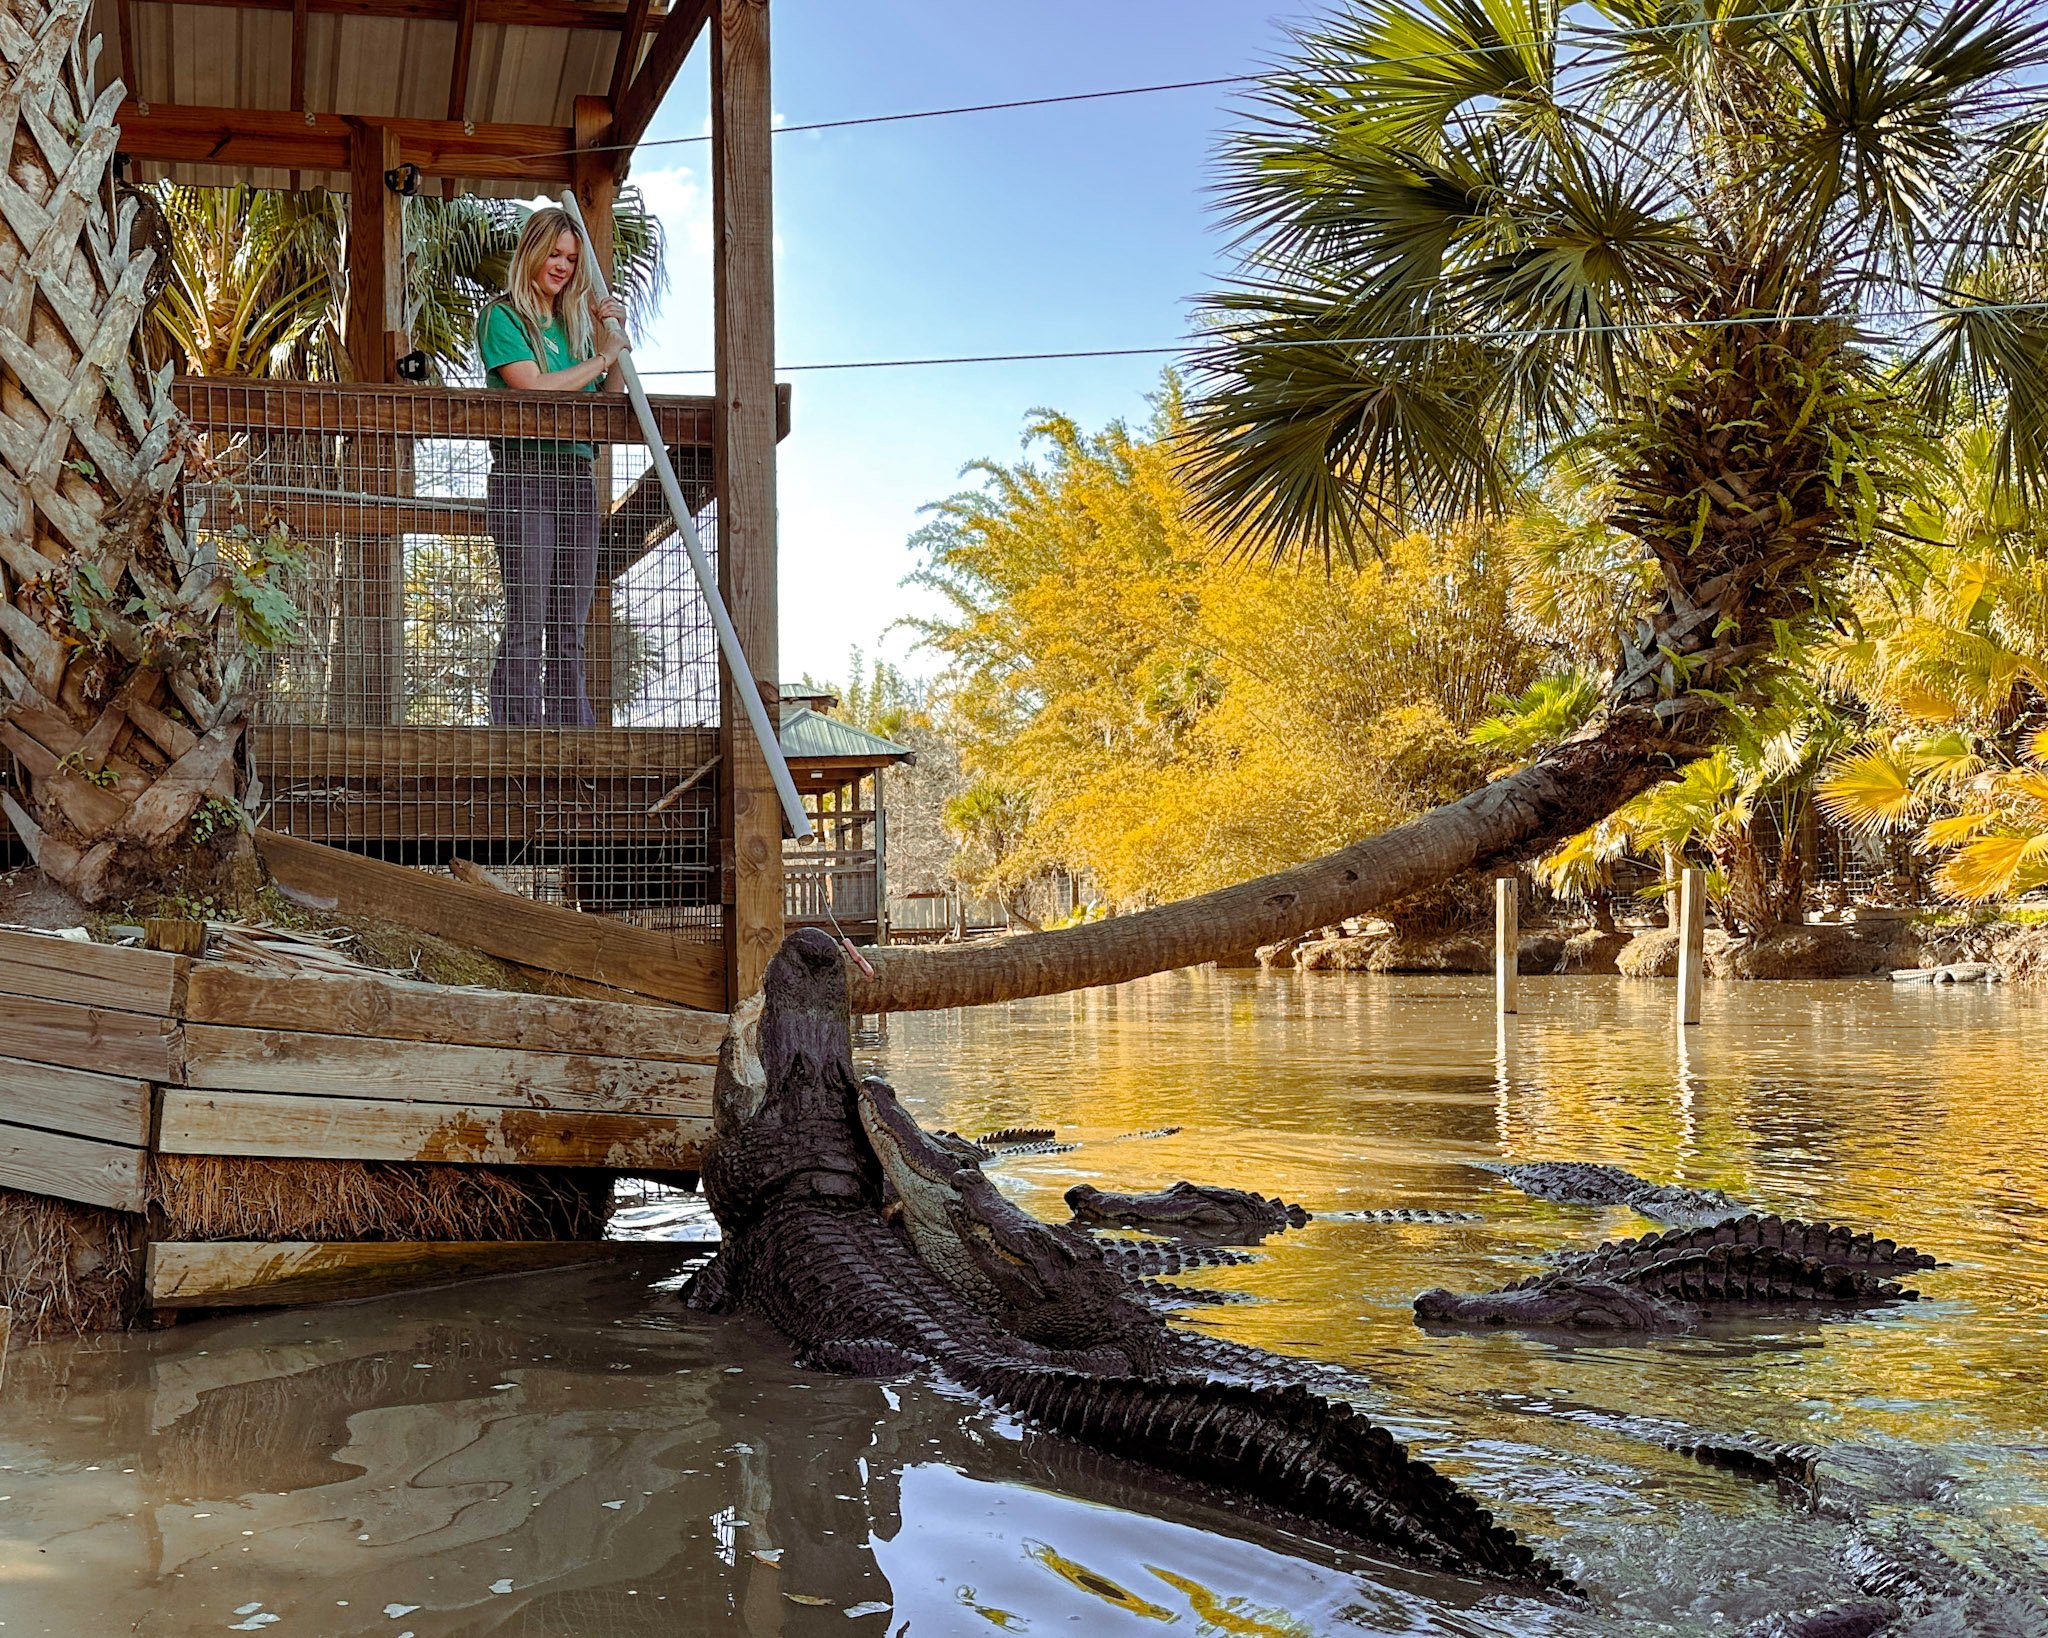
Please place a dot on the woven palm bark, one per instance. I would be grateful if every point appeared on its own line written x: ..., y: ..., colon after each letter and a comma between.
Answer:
x: 120, y: 676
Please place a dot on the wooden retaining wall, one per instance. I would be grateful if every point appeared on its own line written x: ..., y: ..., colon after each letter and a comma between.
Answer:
x: 109, y: 1054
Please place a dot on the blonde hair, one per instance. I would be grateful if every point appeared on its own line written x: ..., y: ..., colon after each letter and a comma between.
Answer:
x: 522, y: 282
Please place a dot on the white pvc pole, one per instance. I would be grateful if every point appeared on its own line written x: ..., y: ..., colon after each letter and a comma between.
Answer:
x: 686, y: 526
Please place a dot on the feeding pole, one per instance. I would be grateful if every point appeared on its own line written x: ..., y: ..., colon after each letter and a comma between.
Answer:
x: 686, y: 526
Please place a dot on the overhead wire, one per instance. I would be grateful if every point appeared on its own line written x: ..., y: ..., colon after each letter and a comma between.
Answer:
x: 1689, y: 25
x: 1909, y: 318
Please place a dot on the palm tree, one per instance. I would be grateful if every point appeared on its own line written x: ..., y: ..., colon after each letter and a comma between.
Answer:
x: 1949, y: 658
x: 1730, y: 257
x: 258, y: 278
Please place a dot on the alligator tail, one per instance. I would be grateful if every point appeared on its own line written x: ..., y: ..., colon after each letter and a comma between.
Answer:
x: 1285, y: 1448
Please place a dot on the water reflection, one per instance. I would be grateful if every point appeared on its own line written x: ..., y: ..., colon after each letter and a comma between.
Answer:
x: 573, y: 1454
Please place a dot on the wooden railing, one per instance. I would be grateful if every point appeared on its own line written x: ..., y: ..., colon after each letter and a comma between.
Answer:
x: 825, y: 886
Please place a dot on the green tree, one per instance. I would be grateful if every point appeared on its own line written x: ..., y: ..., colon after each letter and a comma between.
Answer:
x: 1483, y: 239
x: 258, y: 282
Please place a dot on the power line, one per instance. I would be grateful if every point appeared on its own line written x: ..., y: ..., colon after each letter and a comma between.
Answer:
x: 1478, y: 49
x: 1911, y: 318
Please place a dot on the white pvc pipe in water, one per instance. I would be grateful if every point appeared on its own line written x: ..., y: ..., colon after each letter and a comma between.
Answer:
x: 686, y: 526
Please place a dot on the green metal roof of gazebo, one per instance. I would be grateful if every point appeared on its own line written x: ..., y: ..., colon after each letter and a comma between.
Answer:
x: 809, y: 735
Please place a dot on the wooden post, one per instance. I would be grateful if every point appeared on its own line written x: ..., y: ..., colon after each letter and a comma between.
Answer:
x: 369, y: 675
x: 1507, y: 943
x: 881, y: 866
x: 596, y: 181
x: 1692, y: 942
x: 743, y: 284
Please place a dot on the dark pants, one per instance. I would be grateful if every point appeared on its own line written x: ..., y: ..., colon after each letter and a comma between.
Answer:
x: 544, y: 518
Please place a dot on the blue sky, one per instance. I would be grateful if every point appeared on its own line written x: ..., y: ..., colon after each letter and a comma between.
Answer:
x: 1076, y: 226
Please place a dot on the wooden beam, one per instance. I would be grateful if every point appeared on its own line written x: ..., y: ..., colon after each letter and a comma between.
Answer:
x: 436, y: 412
x: 124, y: 20
x: 292, y: 1128
x: 404, y: 1011
x: 273, y: 1273
x: 535, y: 935
x: 71, y: 1168
x: 633, y: 109
x: 465, y: 47
x: 376, y: 255
x: 742, y: 208
x: 278, y: 138
x: 224, y: 1059
x: 107, y: 1108
x: 298, y: 85
x: 285, y: 752
x: 109, y: 1043
x: 628, y: 55
x: 606, y: 16
x: 98, y: 975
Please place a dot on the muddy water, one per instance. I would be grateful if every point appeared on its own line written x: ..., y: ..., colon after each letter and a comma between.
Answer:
x: 575, y: 1455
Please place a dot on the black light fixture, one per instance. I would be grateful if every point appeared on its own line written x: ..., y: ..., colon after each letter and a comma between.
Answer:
x: 404, y: 180
x: 411, y: 366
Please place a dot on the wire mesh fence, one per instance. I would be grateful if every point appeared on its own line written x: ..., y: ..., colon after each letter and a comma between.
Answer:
x: 502, y: 661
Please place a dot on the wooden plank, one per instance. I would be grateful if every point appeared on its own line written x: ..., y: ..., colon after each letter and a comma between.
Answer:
x: 1507, y: 944
x: 744, y: 293
x: 627, y: 58
x: 609, y: 16
x: 281, y: 138
x: 193, y: 1122
x: 250, y: 1273
x: 634, y: 107
x: 106, y: 1042
x: 224, y: 1058
x: 465, y: 50
x: 437, y: 412
x: 71, y: 1168
x: 535, y: 935
x: 1692, y: 943
x: 109, y: 1108
x: 288, y: 752
x: 403, y: 1011
x: 97, y: 975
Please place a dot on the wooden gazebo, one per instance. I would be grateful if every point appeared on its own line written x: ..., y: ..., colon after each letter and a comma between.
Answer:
x: 664, y: 813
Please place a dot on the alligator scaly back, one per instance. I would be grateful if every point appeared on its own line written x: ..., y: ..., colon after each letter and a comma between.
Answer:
x: 799, y: 1193
x: 1829, y: 1243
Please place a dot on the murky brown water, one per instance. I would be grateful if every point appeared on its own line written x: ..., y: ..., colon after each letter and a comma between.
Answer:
x: 575, y: 1455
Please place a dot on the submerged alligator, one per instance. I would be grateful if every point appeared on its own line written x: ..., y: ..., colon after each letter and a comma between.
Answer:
x: 1204, y: 1210
x: 1583, y: 1183
x: 1676, y: 1280
x: 1026, y: 1315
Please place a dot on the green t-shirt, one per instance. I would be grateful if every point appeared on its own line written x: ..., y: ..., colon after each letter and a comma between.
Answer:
x: 502, y: 339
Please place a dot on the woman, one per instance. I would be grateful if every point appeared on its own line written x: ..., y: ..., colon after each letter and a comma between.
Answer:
x: 541, y: 502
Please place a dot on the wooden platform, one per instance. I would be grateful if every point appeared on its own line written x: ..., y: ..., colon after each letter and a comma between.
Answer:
x: 110, y: 1055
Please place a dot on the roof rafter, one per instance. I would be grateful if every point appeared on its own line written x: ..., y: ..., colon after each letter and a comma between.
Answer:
x: 579, y: 14
x: 671, y: 44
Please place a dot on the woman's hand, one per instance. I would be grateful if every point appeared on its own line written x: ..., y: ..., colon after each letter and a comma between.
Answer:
x: 613, y: 312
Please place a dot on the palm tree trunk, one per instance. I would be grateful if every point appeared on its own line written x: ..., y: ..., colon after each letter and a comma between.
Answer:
x: 117, y: 689
x: 1618, y: 755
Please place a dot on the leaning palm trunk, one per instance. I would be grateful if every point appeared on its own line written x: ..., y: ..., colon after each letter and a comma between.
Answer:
x: 118, y: 683
x: 1744, y: 416
x: 1574, y: 786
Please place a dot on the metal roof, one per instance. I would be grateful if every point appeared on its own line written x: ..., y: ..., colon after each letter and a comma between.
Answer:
x: 388, y: 66
x: 808, y: 735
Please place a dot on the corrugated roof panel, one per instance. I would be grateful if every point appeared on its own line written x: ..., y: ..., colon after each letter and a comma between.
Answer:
x: 805, y: 733
x: 224, y: 56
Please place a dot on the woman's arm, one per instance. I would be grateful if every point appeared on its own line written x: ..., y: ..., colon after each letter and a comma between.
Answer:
x: 523, y: 375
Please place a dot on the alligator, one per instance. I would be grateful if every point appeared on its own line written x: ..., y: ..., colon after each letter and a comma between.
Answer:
x: 1409, y: 1214
x: 797, y: 1184
x: 1145, y: 1259
x: 1202, y: 1210
x: 1674, y: 1281
x: 1582, y: 1183
x: 1829, y: 1243
x: 1862, y: 1618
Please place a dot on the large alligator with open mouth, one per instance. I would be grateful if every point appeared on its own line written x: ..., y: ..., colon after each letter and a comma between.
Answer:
x: 1676, y: 1280
x: 879, y: 1249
